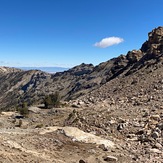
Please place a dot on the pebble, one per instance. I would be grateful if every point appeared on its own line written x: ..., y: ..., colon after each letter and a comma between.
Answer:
x: 110, y: 158
x: 82, y: 161
x: 158, y: 145
x: 160, y: 126
x: 155, y: 135
x: 155, y: 117
x: 154, y: 150
x: 103, y: 147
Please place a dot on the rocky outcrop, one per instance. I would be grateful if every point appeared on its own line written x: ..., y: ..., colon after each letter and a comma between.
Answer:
x: 154, y: 45
x: 130, y: 75
x: 134, y: 56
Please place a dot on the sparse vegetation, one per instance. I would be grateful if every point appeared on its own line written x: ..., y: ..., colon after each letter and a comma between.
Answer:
x: 52, y: 100
x: 23, y: 109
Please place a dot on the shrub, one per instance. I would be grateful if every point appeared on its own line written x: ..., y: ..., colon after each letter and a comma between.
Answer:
x: 52, y: 100
x: 23, y: 110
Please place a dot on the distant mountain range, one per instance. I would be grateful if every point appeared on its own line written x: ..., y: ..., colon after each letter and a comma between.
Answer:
x: 45, y: 69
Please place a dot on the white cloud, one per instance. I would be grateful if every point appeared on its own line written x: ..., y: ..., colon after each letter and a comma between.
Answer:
x: 109, y: 41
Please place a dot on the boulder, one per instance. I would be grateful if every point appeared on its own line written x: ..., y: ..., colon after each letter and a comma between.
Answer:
x: 134, y: 55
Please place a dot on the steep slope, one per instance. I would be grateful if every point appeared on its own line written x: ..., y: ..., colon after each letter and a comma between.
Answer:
x: 120, y: 76
x: 32, y: 86
x: 140, y: 78
x: 21, y: 86
x: 129, y: 107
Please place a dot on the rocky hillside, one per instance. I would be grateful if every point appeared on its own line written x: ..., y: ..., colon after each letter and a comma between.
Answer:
x: 139, y: 81
x: 90, y: 84
x: 115, y: 111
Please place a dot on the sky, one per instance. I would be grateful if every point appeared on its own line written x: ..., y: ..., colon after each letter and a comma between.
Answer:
x: 65, y: 33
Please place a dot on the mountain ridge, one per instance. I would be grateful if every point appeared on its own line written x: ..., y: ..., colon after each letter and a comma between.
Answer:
x: 79, y: 81
x: 47, y: 69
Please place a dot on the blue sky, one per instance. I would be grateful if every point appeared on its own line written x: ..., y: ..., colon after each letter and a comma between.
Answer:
x: 69, y: 32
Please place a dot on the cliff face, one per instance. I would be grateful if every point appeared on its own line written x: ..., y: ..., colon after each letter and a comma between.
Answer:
x: 81, y: 81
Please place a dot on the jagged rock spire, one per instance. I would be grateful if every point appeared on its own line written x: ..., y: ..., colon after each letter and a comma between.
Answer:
x: 154, y: 45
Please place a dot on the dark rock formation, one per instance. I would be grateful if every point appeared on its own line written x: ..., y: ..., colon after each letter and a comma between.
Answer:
x: 154, y: 45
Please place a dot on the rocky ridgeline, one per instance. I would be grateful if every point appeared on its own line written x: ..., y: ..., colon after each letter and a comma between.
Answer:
x: 129, y: 107
x: 137, y: 82
x: 91, y: 84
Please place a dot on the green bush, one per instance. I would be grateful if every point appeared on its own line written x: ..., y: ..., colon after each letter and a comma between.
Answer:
x: 52, y: 100
x: 23, y: 110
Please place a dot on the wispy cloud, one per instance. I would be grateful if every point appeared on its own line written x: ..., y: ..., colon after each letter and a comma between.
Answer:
x: 109, y: 41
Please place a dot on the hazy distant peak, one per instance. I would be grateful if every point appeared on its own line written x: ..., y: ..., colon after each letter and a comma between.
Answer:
x: 4, y: 69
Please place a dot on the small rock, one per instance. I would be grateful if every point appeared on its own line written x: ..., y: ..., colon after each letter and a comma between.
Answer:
x: 92, y: 151
x: 153, y: 122
x: 143, y: 138
x: 158, y: 130
x: 148, y: 132
x: 140, y: 132
x: 120, y: 126
x: 160, y: 126
x: 155, y: 135
x: 110, y: 158
x: 121, y: 120
x: 146, y: 114
x: 112, y: 121
x: 155, y: 117
x: 136, y: 124
x: 75, y: 106
x: 130, y: 136
x: 158, y: 146
x: 103, y: 147
x: 81, y: 103
x: 82, y: 161
x: 154, y: 150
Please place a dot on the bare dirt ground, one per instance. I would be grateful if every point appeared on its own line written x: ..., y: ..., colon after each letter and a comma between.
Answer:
x: 68, y: 135
x: 42, y: 138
